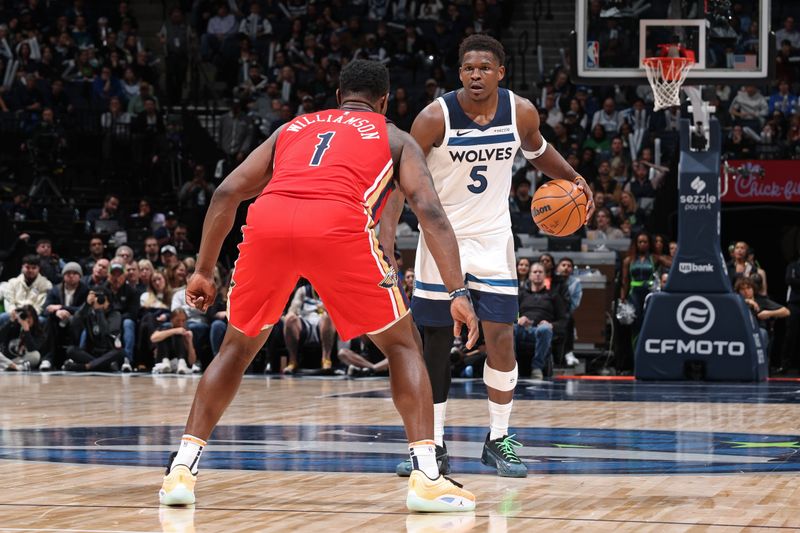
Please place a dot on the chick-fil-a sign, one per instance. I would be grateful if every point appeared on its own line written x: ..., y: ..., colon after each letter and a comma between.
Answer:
x: 760, y: 181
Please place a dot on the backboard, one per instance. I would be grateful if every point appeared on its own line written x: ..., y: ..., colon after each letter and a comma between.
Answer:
x: 731, y: 41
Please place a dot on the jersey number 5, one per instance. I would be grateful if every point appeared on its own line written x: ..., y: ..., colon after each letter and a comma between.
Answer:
x: 321, y: 147
x: 479, y: 180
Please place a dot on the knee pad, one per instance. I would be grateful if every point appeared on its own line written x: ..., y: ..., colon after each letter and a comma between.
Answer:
x: 502, y: 381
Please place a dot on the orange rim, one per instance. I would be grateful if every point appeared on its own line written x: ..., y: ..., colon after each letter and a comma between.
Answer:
x: 669, y: 67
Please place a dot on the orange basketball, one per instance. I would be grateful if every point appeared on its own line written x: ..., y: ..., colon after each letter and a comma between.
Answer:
x: 559, y: 208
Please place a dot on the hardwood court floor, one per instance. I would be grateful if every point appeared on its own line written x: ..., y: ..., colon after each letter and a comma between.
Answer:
x: 84, y: 454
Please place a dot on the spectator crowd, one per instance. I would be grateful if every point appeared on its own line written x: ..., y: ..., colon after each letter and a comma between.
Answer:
x: 71, y: 67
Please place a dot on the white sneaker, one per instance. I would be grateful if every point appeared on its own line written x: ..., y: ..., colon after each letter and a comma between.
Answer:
x: 126, y: 366
x: 164, y: 367
x: 45, y: 366
x: 182, y: 368
x: 571, y: 360
x: 196, y: 369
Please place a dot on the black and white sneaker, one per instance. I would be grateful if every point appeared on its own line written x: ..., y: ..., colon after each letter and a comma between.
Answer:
x: 442, y: 460
x: 501, y: 454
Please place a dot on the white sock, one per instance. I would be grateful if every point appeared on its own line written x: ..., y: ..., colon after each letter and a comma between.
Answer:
x: 499, y: 413
x: 423, y: 457
x: 189, y: 453
x: 438, y: 422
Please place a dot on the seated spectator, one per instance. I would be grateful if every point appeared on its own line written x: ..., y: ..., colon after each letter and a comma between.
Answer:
x: 108, y: 214
x: 523, y: 270
x: 307, y: 323
x: 782, y: 100
x: 362, y: 358
x: 602, y: 226
x: 217, y: 314
x: 22, y: 341
x: 60, y: 306
x: 164, y: 233
x: 151, y: 252
x: 125, y: 300
x: 154, y: 308
x: 176, y: 274
x: 174, y: 347
x: 136, y: 105
x: 749, y: 108
x: 169, y: 258
x: 640, y: 184
x: 408, y: 283
x: 541, y: 311
x: 738, y: 145
x: 105, y: 87
x: 99, y: 273
x: 630, y: 211
x: 739, y: 266
x: 599, y: 141
x: 143, y: 218
x: 197, y: 323
x: 97, y: 250
x: 124, y: 253
x: 102, y: 327
x: 608, y: 117
x: 763, y: 309
x: 49, y: 263
x: 132, y: 278
x: 145, y: 272
x: 180, y: 240
x: 220, y: 27
x: 606, y: 183
x: 29, y: 288
x: 565, y: 271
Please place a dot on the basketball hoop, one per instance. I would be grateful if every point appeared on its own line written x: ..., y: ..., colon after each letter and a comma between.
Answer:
x: 666, y: 76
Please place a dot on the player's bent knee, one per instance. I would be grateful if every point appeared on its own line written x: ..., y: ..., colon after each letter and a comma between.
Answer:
x: 502, y: 381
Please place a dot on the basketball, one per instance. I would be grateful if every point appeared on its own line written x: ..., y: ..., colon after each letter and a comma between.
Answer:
x: 559, y: 208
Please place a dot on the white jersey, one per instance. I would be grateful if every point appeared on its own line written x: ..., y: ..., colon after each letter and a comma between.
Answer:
x: 472, y: 167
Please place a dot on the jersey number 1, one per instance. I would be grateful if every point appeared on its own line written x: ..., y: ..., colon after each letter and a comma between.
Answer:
x: 321, y: 147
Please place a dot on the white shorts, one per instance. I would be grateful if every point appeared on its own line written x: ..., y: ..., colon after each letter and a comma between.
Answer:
x: 489, y: 266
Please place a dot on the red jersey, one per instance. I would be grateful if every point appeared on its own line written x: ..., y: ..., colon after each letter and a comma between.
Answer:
x: 315, y: 219
x: 334, y: 155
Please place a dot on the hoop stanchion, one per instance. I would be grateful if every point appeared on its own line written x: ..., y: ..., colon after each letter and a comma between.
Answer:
x: 666, y: 76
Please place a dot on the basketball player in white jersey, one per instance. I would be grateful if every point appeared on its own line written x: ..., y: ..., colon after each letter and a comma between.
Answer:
x: 470, y: 137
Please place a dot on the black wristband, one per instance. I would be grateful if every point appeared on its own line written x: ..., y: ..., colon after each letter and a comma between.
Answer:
x: 463, y: 291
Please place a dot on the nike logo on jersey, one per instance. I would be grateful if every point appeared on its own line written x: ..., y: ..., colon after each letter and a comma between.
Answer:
x: 462, y: 132
x: 483, y: 154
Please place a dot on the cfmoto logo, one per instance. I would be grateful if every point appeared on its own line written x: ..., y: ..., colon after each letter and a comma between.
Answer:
x: 698, y: 185
x: 696, y: 315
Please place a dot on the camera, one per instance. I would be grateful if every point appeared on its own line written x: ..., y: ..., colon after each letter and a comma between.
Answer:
x: 99, y: 294
x: 22, y: 314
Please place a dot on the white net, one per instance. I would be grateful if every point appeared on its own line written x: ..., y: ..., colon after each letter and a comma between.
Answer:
x: 666, y: 76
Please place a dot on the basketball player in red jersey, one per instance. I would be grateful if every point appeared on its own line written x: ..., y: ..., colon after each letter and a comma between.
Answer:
x: 321, y: 182
x: 470, y: 137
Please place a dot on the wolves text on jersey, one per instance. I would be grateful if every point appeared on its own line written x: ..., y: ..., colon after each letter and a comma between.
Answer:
x: 482, y: 154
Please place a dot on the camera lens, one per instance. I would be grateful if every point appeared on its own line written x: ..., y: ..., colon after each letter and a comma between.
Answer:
x: 101, y: 299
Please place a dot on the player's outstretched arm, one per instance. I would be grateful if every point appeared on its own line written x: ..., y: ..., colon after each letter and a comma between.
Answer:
x: 246, y: 181
x: 548, y: 161
x: 416, y: 184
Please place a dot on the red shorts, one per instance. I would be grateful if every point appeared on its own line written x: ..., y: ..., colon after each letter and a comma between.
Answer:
x: 327, y: 242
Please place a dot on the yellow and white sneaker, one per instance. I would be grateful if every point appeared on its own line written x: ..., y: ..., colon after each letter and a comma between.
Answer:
x: 178, y: 487
x: 440, y: 495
